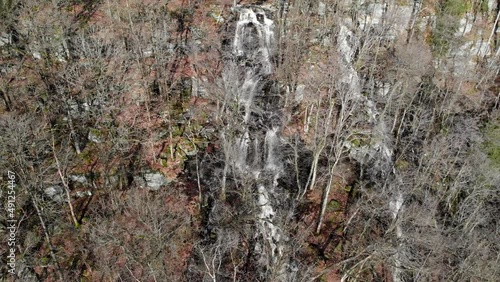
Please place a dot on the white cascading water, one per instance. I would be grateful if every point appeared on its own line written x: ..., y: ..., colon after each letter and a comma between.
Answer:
x: 247, y: 92
x: 241, y: 162
x: 244, y: 39
x: 271, y: 143
x: 258, y: 144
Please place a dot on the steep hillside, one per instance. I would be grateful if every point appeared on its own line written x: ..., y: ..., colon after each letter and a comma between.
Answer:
x: 230, y: 140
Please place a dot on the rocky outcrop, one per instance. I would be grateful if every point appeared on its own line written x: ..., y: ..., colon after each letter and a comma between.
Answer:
x: 54, y: 193
x: 151, y: 180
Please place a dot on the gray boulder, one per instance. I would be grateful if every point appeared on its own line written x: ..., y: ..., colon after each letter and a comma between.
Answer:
x: 79, y: 178
x: 55, y: 193
x: 151, y: 180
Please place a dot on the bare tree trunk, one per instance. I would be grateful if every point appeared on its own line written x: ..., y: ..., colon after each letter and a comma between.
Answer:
x: 414, y: 15
x: 6, y: 100
x: 73, y: 134
x: 64, y: 182
x: 224, y: 179
x: 326, y: 193
x: 495, y: 25
x: 322, y: 142
x: 314, y: 168
x: 47, y: 237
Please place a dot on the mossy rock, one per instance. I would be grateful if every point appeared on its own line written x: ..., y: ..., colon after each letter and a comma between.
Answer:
x: 402, y: 164
x: 44, y: 261
x: 359, y: 140
x: 177, y: 109
x: 95, y: 135
x: 338, y: 248
x: 177, y: 130
x: 86, y: 155
x: 333, y: 206
x: 356, y: 143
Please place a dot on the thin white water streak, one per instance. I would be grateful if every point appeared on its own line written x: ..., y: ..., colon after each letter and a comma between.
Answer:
x: 243, y: 151
x: 271, y: 143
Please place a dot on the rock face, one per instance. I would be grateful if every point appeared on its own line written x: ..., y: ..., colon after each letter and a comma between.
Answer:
x: 197, y: 89
x: 95, y: 136
x: 5, y: 39
x: 55, y: 193
x: 79, y: 178
x: 151, y: 180
x: 321, y: 8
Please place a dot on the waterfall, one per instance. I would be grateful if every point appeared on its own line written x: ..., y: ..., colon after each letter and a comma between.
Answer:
x: 254, y: 37
x: 271, y: 142
x: 242, y: 151
x: 247, y: 92
x: 257, y: 146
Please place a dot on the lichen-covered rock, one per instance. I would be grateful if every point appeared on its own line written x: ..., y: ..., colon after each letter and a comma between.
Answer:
x: 86, y: 193
x: 95, y: 136
x: 55, y: 193
x: 79, y: 178
x: 151, y: 180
